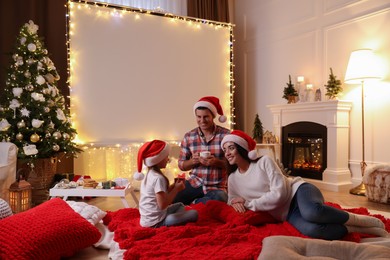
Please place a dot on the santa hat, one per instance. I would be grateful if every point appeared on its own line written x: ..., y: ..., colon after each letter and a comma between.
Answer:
x: 243, y: 140
x: 211, y: 103
x: 150, y: 153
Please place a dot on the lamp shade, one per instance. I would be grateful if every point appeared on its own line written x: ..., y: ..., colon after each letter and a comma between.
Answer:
x: 362, y: 66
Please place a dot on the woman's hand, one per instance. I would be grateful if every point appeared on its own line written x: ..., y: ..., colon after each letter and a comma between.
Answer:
x: 238, y: 200
x: 239, y: 207
x: 238, y: 204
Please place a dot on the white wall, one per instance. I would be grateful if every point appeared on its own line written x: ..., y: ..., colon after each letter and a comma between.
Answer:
x: 275, y: 38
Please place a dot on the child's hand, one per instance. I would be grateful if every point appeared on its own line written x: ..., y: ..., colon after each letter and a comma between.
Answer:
x: 179, y: 185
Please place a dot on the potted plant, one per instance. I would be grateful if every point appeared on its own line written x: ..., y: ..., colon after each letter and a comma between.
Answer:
x: 257, y: 133
x: 333, y: 88
x: 289, y: 92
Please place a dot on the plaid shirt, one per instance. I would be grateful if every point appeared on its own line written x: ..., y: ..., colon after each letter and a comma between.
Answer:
x: 210, y: 178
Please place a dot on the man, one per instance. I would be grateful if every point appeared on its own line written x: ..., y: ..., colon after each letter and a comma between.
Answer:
x: 207, y: 178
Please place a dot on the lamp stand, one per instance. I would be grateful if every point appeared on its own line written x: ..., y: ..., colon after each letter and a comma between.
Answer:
x: 361, y: 188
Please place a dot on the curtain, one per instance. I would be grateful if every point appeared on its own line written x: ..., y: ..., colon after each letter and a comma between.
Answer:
x: 216, y: 10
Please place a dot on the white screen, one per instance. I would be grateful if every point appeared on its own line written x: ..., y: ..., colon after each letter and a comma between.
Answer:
x: 136, y: 76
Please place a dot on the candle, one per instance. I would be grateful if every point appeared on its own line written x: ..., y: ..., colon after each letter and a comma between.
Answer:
x: 309, y: 86
x: 300, y: 79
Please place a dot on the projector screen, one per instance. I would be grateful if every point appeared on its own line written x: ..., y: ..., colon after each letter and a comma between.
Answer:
x: 135, y: 75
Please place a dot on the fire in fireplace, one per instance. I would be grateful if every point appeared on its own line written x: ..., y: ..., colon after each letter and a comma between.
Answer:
x: 304, y: 149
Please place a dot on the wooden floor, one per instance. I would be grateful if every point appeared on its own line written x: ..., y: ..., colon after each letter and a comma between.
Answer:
x: 344, y: 199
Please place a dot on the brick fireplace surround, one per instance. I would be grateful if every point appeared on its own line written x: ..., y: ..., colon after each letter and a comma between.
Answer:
x: 334, y: 115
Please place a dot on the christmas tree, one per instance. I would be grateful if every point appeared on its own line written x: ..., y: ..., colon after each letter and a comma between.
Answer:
x: 33, y: 113
x: 257, y: 133
x: 333, y: 88
x: 290, y: 92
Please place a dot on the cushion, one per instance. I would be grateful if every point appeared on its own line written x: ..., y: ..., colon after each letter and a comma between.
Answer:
x: 309, y: 248
x: 49, y: 231
x: 91, y: 213
x: 5, y: 209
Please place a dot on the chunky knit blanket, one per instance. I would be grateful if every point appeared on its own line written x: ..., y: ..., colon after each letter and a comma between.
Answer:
x: 219, y: 233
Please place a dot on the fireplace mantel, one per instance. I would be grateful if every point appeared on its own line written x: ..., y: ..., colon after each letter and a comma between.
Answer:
x: 334, y: 115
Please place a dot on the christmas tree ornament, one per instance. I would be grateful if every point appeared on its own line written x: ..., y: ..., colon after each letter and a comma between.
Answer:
x: 57, y: 135
x: 30, y: 61
x: 36, y: 123
x: 21, y: 124
x: 31, y: 47
x: 17, y: 91
x: 46, y: 109
x: 50, y: 78
x: 34, y: 138
x: 27, y: 74
x: 48, y: 135
x: 40, y: 80
x: 19, y: 136
x: 4, y: 125
x: 29, y: 87
x: 65, y: 136
x: 56, y: 147
x: 24, y: 111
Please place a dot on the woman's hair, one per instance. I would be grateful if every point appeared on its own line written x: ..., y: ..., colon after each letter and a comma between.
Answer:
x: 244, y: 154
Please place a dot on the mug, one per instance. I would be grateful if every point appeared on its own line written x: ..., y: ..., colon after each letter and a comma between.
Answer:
x: 205, y: 154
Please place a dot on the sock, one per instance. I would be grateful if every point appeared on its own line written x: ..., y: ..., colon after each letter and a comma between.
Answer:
x: 364, y: 221
x: 368, y: 230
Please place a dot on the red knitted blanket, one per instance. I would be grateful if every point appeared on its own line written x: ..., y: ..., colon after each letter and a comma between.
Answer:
x: 219, y: 233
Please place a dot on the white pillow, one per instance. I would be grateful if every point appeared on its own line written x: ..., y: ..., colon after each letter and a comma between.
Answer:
x: 91, y: 213
x: 5, y: 209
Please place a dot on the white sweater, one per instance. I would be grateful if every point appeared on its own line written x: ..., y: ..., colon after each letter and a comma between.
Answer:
x: 264, y: 188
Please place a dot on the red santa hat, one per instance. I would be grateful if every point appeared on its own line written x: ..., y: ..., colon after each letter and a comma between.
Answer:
x: 150, y: 154
x: 211, y: 103
x: 243, y: 140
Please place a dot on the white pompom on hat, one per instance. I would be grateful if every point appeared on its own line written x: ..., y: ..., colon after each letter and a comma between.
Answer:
x: 211, y: 103
x: 150, y: 154
x: 243, y: 140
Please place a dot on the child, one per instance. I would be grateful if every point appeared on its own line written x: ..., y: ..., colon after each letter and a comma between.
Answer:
x: 156, y: 195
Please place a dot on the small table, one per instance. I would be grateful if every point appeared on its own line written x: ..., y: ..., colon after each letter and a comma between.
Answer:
x: 81, y: 192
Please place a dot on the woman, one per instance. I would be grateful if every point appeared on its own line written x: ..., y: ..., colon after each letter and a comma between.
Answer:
x: 155, y: 206
x: 258, y: 184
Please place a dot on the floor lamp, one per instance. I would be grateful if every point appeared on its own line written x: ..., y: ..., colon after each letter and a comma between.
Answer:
x: 362, y: 67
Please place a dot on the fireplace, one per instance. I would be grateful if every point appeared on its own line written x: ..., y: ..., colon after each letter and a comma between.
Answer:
x: 333, y: 117
x: 304, y: 150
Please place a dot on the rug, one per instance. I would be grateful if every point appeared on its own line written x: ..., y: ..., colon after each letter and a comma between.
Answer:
x: 219, y: 233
